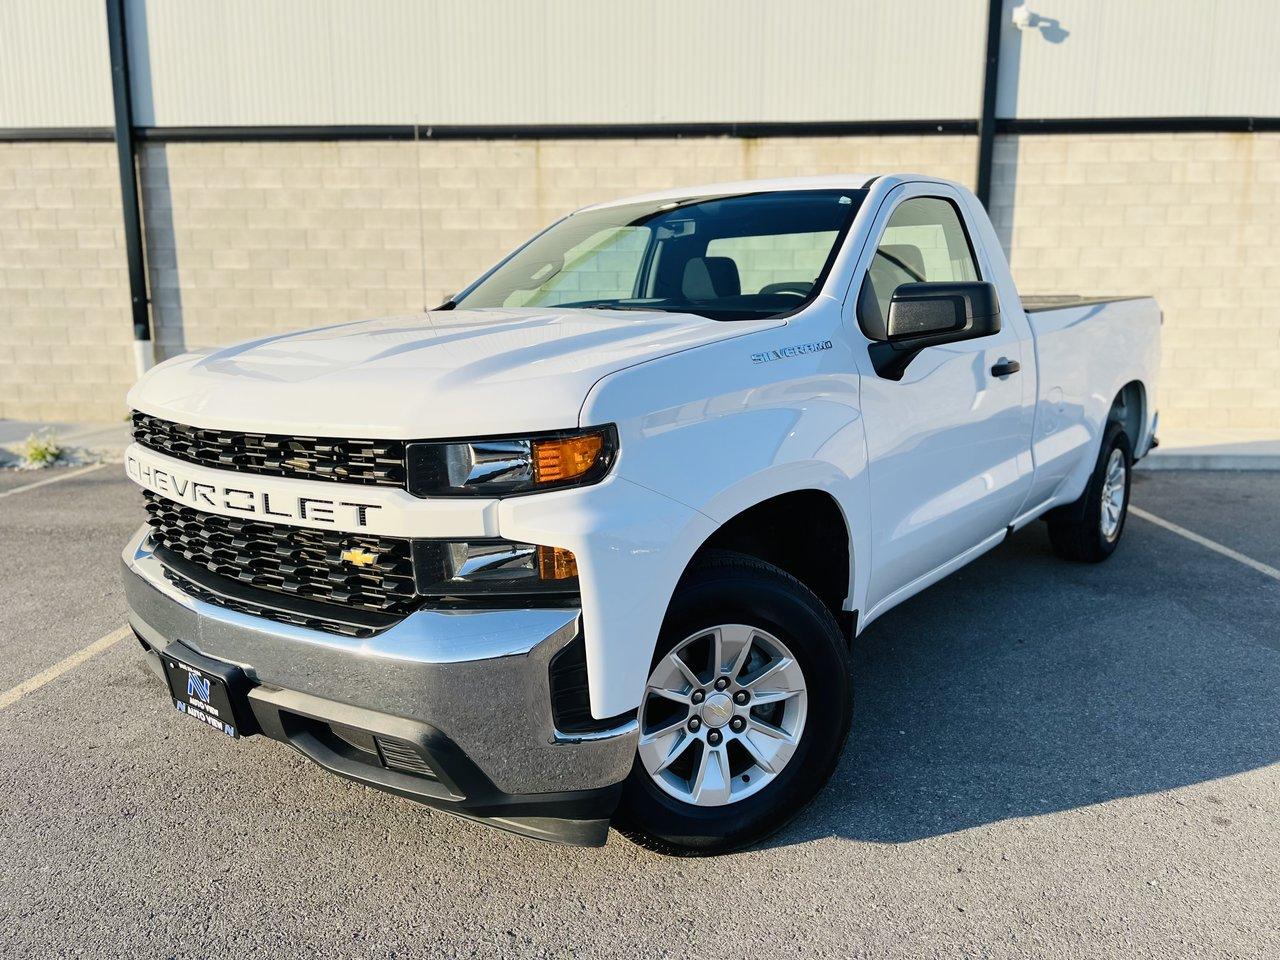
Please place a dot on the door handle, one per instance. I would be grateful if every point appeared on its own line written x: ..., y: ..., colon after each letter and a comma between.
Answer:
x: 1005, y: 367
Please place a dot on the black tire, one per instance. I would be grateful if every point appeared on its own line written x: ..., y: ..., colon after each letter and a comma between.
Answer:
x: 725, y: 588
x: 1076, y: 530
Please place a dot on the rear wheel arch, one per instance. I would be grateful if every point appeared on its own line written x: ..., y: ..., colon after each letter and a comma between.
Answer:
x: 1129, y: 409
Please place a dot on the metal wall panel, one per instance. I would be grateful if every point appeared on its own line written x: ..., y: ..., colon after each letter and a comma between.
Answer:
x: 1142, y: 58
x: 245, y: 62
x: 54, y: 66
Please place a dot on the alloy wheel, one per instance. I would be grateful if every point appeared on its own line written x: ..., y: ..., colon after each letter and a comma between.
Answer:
x: 722, y: 715
x: 1113, y: 493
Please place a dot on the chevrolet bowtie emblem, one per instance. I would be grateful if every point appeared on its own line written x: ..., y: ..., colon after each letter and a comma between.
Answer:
x: 358, y: 556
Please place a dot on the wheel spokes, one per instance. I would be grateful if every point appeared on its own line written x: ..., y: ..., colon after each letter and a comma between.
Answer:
x: 783, y: 675
x: 711, y: 781
x: 664, y: 748
x: 653, y: 736
x: 773, y: 696
x: 732, y: 647
x: 762, y: 757
x: 684, y: 671
x: 673, y: 679
x: 673, y: 695
x: 769, y: 730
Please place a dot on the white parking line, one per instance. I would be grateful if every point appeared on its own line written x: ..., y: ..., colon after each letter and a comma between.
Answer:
x: 48, y: 480
x: 14, y: 694
x: 1263, y: 568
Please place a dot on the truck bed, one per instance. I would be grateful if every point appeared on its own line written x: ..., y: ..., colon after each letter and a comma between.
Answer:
x: 1056, y: 301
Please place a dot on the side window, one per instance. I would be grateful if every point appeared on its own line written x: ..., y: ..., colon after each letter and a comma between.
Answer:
x: 601, y: 267
x: 923, y: 242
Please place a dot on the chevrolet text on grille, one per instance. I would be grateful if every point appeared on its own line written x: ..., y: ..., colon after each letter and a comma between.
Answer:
x: 245, y: 500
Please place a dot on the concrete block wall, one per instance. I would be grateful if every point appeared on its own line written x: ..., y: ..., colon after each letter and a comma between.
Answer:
x: 65, y: 327
x: 1193, y: 219
x: 250, y: 239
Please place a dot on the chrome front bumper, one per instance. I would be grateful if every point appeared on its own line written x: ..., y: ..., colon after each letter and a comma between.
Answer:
x: 476, y: 680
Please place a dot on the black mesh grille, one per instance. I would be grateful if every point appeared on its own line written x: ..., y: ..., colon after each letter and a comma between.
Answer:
x: 570, y: 692
x: 193, y: 589
x: 399, y: 755
x: 296, y: 562
x: 376, y: 462
x: 570, y: 699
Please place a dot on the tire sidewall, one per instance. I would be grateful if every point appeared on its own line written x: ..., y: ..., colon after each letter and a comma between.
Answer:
x: 1114, y: 437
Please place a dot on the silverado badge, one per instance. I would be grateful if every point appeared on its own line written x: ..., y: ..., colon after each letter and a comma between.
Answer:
x: 358, y: 556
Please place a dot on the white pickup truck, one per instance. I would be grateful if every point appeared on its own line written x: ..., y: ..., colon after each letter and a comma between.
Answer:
x: 589, y: 543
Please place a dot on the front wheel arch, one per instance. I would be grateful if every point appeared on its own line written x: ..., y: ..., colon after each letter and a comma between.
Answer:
x: 803, y: 533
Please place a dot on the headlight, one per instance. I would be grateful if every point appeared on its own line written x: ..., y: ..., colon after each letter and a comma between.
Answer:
x: 452, y: 568
x: 506, y: 466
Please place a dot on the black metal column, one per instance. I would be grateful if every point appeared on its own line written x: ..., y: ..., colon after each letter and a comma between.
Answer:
x: 125, y: 153
x: 987, y: 122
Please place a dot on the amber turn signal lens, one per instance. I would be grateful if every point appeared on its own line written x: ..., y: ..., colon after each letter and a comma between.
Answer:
x: 565, y: 458
x: 556, y: 563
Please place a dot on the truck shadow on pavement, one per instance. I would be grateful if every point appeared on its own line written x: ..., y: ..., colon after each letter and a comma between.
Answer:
x: 1025, y: 685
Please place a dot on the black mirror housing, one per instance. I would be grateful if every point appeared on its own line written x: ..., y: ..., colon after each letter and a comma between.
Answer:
x: 927, y: 314
x: 957, y: 311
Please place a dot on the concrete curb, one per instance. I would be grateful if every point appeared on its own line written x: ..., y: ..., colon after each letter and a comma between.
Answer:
x: 1210, y: 461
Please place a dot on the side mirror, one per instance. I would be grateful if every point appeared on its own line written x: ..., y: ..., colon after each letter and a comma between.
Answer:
x: 942, y: 312
x: 927, y: 314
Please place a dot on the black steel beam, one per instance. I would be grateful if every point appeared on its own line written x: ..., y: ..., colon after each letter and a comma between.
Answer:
x: 872, y: 128
x: 561, y: 131
x: 990, y: 86
x: 125, y: 154
x: 55, y: 134
x: 1072, y: 125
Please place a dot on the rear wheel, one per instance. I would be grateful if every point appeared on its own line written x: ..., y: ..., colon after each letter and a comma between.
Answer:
x: 744, y: 713
x: 1090, y: 529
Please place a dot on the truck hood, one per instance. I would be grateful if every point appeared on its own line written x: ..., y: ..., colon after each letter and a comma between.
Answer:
x: 441, y: 374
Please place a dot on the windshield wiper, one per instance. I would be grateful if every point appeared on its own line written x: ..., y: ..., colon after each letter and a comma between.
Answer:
x: 603, y: 305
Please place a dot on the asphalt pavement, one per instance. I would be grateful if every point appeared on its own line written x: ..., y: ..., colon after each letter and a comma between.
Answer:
x: 1048, y: 760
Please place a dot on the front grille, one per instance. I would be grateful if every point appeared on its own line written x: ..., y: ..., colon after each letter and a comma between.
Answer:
x: 249, y: 607
x: 372, y: 462
x: 294, y: 562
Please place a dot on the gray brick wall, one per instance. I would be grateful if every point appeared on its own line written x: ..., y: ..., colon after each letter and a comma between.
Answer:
x: 251, y: 239
x: 65, y: 328
x: 1193, y: 219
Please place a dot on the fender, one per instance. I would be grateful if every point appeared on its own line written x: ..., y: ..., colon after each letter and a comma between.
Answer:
x: 716, y: 433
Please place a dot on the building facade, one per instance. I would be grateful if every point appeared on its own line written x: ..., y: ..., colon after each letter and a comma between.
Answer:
x: 304, y: 163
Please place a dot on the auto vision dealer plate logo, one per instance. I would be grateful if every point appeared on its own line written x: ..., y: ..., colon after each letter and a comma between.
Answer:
x: 198, y: 687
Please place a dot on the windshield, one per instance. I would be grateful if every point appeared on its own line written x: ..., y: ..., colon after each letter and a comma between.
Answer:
x: 728, y: 258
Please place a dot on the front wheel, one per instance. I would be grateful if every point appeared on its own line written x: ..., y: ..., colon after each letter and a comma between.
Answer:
x: 745, y: 711
x: 1090, y: 528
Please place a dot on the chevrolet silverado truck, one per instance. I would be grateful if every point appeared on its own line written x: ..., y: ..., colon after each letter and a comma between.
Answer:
x: 588, y: 544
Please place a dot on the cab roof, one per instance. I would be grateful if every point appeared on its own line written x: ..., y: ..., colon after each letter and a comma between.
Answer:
x: 839, y: 181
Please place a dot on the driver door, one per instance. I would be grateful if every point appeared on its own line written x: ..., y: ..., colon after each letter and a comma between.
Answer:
x: 947, y: 443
